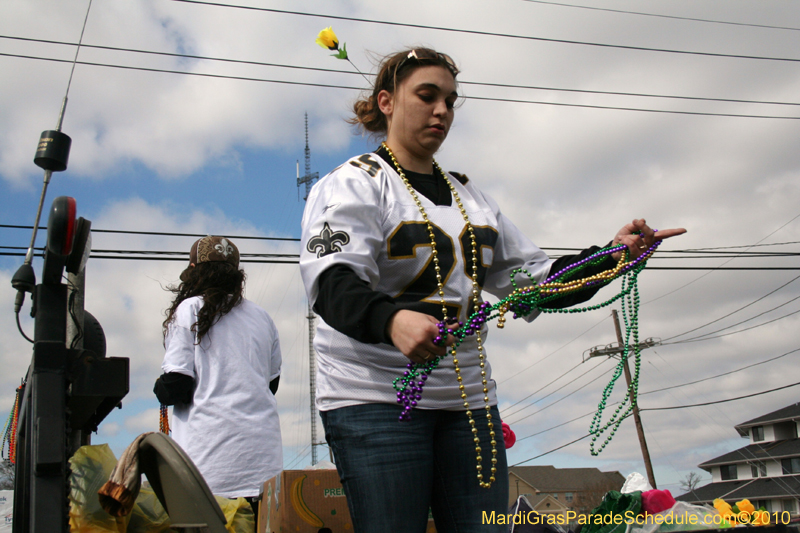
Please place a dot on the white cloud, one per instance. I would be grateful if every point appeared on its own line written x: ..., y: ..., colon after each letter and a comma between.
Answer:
x: 15, y: 351
x: 141, y: 422
x: 109, y: 429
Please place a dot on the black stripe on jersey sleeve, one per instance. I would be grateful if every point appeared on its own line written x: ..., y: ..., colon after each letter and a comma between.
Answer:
x: 581, y: 296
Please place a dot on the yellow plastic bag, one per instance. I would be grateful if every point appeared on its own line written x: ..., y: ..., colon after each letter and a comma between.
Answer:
x: 239, y: 517
x: 148, y: 515
x: 91, y: 467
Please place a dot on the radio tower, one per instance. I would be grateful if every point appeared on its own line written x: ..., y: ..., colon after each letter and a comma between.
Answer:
x: 308, y: 179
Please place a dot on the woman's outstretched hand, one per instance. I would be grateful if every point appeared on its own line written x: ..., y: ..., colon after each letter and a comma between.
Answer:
x: 412, y: 333
x: 638, y: 237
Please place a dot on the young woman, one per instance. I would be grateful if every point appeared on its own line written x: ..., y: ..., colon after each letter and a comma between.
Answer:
x: 221, y: 371
x: 392, y: 245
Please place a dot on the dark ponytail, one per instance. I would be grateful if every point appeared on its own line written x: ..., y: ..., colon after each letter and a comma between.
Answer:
x: 220, y: 284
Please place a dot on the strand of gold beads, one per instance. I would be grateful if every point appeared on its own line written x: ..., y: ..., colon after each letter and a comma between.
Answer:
x: 476, y: 300
x: 578, y: 284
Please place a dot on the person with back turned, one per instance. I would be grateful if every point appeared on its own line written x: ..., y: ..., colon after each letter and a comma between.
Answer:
x: 221, y: 371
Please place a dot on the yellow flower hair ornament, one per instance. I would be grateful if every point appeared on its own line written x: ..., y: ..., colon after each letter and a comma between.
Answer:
x: 327, y: 39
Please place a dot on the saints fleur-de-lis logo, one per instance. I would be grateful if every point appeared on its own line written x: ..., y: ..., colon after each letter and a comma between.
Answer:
x: 224, y: 247
x: 327, y: 242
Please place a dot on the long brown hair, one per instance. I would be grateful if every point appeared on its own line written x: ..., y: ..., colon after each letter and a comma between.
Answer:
x: 221, y: 286
x: 392, y: 71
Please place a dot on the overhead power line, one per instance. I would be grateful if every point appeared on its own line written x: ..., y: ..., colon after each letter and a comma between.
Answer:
x: 180, y: 255
x: 748, y: 246
x: 669, y: 388
x: 168, y: 71
x: 712, y: 252
x: 727, y: 255
x: 557, y: 426
x: 720, y: 375
x: 720, y: 269
x: 732, y: 312
x: 163, y: 233
x: 181, y: 56
x: 350, y: 72
x: 506, y: 414
x: 332, y: 86
x: 650, y: 392
x: 724, y: 263
x: 719, y: 401
x: 485, y: 33
x: 617, y: 93
x: 705, y: 338
x: 663, y: 389
x: 619, y: 108
x: 570, y: 443
x: 656, y: 409
x: 162, y: 258
x: 675, y: 17
x: 140, y: 255
x: 563, y: 397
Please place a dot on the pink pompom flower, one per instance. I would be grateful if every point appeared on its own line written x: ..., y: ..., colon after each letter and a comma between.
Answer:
x: 508, y: 436
x: 655, y: 501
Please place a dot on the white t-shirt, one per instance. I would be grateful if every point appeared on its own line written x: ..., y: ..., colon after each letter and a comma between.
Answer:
x: 361, y: 215
x: 231, y: 429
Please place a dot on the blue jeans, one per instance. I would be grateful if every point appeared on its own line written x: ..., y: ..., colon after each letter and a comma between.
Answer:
x: 393, y: 472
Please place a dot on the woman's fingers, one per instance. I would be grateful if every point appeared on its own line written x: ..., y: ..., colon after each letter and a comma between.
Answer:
x: 638, y: 237
x: 412, y: 333
x: 667, y: 233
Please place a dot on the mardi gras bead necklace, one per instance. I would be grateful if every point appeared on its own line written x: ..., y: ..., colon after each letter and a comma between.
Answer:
x: 10, y: 432
x: 524, y: 300
x: 163, y: 420
x: 413, y: 389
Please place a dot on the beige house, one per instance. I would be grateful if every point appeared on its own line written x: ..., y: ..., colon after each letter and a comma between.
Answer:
x: 546, y: 504
x: 558, y: 490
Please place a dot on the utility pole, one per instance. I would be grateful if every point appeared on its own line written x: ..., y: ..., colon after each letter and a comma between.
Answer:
x: 612, y: 350
x: 308, y: 180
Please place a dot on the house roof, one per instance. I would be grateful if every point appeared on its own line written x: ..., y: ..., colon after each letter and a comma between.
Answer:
x: 551, y: 479
x: 778, y: 449
x: 762, y: 488
x: 544, y: 503
x: 789, y: 413
x: 710, y: 492
x: 511, y: 474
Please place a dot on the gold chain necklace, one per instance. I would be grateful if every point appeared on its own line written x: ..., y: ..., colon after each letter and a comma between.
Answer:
x: 475, y: 299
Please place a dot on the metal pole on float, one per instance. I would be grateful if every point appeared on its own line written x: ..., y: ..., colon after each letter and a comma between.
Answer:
x: 39, y: 485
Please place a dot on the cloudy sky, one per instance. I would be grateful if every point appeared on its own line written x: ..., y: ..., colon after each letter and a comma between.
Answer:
x: 576, y: 121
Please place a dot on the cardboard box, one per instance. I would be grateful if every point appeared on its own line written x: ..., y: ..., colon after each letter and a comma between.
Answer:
x: 6, y: 510
x: 304, y: 501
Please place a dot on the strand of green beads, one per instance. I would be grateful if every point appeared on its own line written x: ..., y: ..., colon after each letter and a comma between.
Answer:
x: 631, y: 317
x: 595, y: 428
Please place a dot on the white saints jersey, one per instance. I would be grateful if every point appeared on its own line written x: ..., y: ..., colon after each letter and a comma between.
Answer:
x: 362, y: 215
